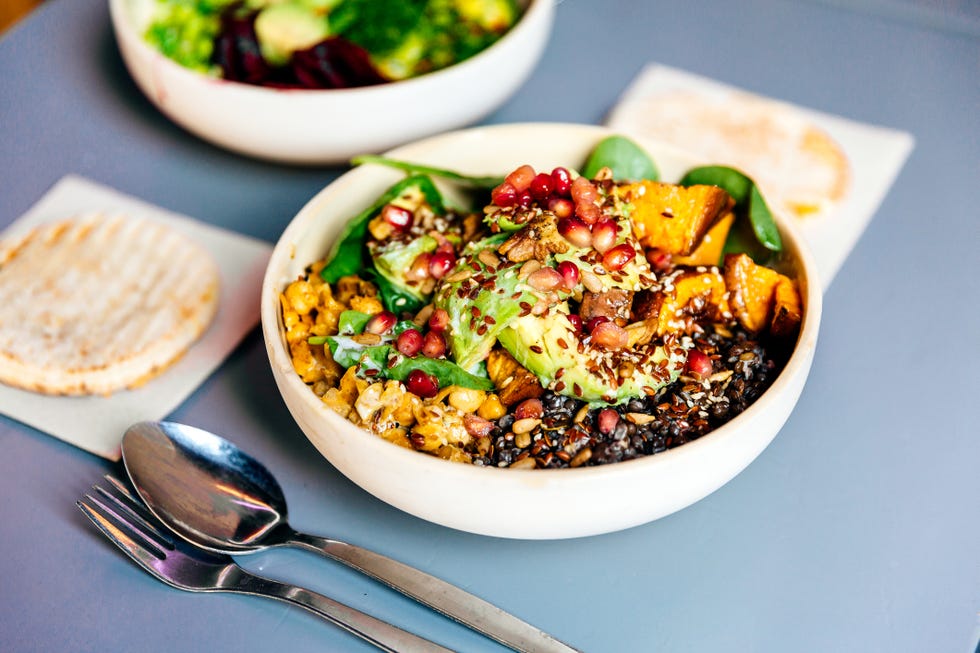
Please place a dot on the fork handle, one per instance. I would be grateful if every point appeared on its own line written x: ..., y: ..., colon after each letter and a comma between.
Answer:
x: 439, y: 595
x: 383, y: 635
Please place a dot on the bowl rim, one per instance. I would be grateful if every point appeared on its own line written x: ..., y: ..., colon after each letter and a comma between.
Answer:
x: 797, y: 364
x: 537, y: 12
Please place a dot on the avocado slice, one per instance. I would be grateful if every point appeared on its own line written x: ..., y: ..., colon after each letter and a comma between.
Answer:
x: 549, y: 348
x: 393, y: 258
x: 286, y: 27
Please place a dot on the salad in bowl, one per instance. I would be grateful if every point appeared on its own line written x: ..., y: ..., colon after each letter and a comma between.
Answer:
x: 557, y: 327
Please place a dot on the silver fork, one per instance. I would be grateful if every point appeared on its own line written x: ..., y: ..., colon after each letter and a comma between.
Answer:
x: 125, y: 521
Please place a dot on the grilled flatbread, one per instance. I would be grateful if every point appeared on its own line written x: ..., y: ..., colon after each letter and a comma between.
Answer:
x: 96, y: 304
x: 794, y: 162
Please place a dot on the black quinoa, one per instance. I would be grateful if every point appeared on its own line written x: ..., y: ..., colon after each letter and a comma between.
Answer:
x: 679, y: 413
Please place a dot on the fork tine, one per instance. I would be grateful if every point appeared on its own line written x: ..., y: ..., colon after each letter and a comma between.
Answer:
x: 123, y: 488
x: 119, y: 492
x: 132, y: 516
x: 129, y: 540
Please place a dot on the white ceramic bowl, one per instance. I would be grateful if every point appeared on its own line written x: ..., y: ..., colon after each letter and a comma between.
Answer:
x: 330, y: 126
x: 532, y: 504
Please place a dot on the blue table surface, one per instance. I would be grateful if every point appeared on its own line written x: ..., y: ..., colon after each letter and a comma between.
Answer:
x: 858, y: 529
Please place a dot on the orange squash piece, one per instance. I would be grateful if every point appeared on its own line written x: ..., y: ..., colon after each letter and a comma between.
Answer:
x: 753, y: 293
x: 787, y: 310
x: 712, y: 244
x: 674, y: 218
x: 694, y: 293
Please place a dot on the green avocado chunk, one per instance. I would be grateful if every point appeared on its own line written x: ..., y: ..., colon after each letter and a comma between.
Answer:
x: 393, y: 260
x: 549, y: 348
x: 286, y: 27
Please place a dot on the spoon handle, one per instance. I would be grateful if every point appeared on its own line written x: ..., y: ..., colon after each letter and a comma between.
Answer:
x: 439, y: 595
x: 383, y: 635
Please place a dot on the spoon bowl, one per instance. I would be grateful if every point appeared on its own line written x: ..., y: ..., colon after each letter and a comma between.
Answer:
x: 204, y: 488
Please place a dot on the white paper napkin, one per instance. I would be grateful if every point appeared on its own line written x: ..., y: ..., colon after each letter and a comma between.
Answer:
x: 876, y: 156
x: 97, y: 423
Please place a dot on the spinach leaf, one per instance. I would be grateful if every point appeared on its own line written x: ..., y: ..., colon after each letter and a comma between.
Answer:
x: 352, y: 322
x: 378, y: 27
x: 748, y: 200
x: 348, y: 353
x: 388, y: 364
x: 395, y: 298
x: 627, y: 160
x: 487, y: 183
x: 446, y: 372
x: 348, y: 256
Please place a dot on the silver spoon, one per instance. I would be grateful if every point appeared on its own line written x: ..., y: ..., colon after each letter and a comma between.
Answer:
x: 216, y: 496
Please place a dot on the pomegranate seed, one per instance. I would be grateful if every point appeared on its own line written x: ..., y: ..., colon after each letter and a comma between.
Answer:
x: 658, y: 259
x: 524, y: 199
x: 398, y: 217
x: 439, y: 320
x: 419, y: 383
x: 698, y: 364
x: 444, y: 244
x: 504, y: 195
x: 419, y: 270
x: 561, y: 182
x: 604, y: 234
x: 434, y: 345
x: 576, y: 322
x: 380, y: 323
x: 476, y: 425
x: 583, y: 190
x: 607, y: 419
x: 441, y: 263
x: 618, y: 257
x: 521, y: 178
x: 540, y: 187
x: 529, y: 409
x: 610, y: 335
x: 545, y: 279
x: 584, y: 194
x: 594, y: 322
x: 409, y: 342
x: 575, y: 231
x: 561, y: 207
x: 588, y: 212
x: 569, y: 274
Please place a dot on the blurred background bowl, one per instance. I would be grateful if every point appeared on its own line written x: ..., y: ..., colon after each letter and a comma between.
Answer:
x: 529, y: 504
x: 330, y: 126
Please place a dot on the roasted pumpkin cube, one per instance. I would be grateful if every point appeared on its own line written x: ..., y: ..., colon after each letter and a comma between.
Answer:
x: 788, y: 309
x: 674, y: 218
x: 752, y: 293
x: 702, y: 294
x: 514, y: 382
x: 709, y: 252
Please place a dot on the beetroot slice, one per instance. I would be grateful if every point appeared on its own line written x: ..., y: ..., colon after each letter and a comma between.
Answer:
x: 332, y: 63
x: 335, y: 63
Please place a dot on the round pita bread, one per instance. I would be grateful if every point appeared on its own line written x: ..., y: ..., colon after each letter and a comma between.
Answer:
x: 96, y: 304
x: 795, y: 163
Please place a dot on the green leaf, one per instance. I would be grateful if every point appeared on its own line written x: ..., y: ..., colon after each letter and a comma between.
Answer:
x: 748, y: 200
x: 446, y: 372
x: 628, y: 161
x: 348, y: 353
x: 348, y: 255
x: 395, y: 298
x: 377, y: 27
x: 487, y: 183
x: 390, y: 365
x: 352, y: 322
x: 470, y: 339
